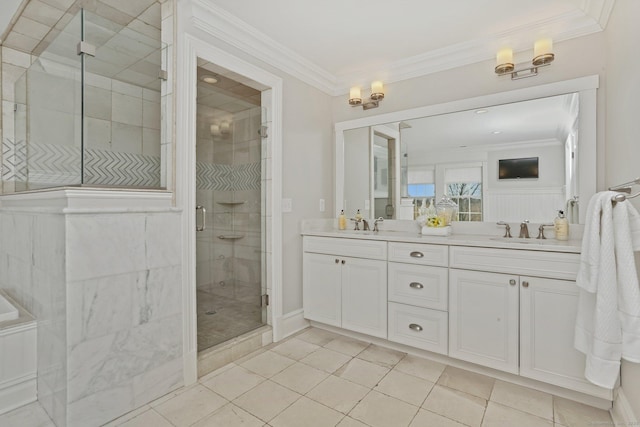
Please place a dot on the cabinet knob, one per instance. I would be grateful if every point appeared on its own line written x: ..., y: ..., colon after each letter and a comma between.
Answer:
x: 525, y: 284
x: 416, y: 285
x: 337, y: 260
x: 512, y: 282
x: 415, y: 327
x: 344, y: 262
x: 416, y: 254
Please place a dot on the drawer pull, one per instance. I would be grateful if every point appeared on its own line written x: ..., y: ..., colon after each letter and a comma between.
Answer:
x: 512, y: 282
x: 344, y: 262
x: 337, y: 261
x: 525, y: 284
x: 416, y: 254
x: 415, y: 327
x: 416, y: 285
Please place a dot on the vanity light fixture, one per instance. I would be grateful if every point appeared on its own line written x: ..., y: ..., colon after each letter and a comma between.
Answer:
x: 377, y: 94
x: 542, y: 56
x: 215, y: 130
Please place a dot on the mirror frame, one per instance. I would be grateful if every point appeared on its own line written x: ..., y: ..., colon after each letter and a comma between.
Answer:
x: 585, y: 86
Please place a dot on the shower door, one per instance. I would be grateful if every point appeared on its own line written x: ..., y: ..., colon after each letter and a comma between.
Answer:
x: 229, y: 217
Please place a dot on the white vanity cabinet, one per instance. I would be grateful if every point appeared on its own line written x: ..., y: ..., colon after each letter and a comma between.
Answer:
x: 345, y: 284
x: 417, y: 292
x: 523, y: 324
x: 483, y: 318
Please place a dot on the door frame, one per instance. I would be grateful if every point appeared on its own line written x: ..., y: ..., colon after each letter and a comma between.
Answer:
x: 191, y: 48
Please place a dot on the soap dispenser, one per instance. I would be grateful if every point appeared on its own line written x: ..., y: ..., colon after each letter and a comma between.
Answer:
x: 561, y: 226
x: 358, y: 215
x: 342, y: 221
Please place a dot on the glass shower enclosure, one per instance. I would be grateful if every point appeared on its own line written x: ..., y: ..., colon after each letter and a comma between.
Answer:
x: 88, y: 110
x: 230, y: 273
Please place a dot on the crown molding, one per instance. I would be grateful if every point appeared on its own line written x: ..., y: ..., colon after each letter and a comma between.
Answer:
x: 591, y: 18
x: 520, y: 39
x: 210, y: 18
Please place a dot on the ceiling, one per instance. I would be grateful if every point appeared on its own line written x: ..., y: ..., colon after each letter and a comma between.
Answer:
x: 356, y: 41
x: 542, y: 120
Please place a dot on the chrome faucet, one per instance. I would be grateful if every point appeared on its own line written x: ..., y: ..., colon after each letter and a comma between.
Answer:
x: 375, y: 224
x: 524, y: 229
x: 366, y: 225
x: 357, y: 222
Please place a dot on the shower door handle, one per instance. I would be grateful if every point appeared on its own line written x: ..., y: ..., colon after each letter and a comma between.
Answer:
x: 204, y: 218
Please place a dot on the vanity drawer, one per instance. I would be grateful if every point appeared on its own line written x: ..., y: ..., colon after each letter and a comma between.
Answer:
x: 357, y: 248
x: 419, y: 253
x: 419, y: 285
x: 554, y: 265
x: 418, y: 327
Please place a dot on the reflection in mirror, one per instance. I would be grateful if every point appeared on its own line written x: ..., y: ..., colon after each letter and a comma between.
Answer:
x: 459, y: 155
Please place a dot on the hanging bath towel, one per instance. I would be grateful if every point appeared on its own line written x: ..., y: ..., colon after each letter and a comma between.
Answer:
x: 608, y: 320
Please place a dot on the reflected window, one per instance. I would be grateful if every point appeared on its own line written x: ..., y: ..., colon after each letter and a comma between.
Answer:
x: 464, y: 186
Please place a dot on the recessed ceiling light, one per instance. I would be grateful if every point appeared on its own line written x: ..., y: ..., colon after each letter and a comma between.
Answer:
x: 481, y: 111
x: 497, y: 132
x: 209, y: 78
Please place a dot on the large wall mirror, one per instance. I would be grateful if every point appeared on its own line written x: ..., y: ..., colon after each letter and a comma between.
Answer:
x: 511, y: 156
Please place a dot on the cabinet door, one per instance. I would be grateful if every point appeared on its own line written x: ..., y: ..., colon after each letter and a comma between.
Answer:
x: 364, y: 296
x: 322, y: 288
x: 483, y: 318
x: 547, y: 319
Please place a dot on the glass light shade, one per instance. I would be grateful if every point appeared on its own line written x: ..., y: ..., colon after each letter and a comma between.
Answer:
x: 377, y: 90
x: 355, y: 96
x: 543, y: 52
x: 542, y: 46
x: 225, y: 126
x: 215, y: 130
x: 504, y: 61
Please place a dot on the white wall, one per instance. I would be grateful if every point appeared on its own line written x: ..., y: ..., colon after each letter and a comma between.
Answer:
x: 623, y: 128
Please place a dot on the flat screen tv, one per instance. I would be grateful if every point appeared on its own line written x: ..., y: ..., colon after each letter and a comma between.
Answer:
x: 518, y: 168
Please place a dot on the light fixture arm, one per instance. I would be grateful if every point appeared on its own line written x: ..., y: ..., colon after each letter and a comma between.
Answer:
x: 521, y: 71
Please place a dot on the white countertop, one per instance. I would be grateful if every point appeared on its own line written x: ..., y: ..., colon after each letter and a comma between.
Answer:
x: 404, y: 233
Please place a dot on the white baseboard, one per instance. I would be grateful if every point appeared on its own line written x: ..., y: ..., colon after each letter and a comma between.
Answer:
x: 18, y: 393
x: 622, y: 412
x: 291, y: 323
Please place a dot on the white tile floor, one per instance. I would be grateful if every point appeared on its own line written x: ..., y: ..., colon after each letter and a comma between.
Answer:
x: 317, y: 378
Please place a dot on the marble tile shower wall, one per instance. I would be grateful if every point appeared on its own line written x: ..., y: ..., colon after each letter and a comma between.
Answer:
x: 106, y: 291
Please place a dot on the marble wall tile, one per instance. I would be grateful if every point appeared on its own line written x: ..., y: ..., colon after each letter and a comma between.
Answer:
x: 112, y: 360
x: 51, y: 127
x: 126, y: 109
x: 162, y: 236
x: 97, y: 102
x: 98, y: 133
x: 102, y: 306
x: 105, y: 245
x: 151, y: 142
x: 126, y: 138
x: 158, y: 296
x: 151, y: 114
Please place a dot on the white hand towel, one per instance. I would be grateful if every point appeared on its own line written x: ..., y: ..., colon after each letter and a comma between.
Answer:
x: 626, y: 222
x: 608, y: 320
x: 598, y: 333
